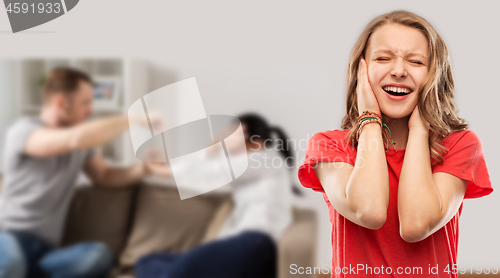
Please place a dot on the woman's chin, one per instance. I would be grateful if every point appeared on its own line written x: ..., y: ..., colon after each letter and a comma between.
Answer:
x: 395, y: 113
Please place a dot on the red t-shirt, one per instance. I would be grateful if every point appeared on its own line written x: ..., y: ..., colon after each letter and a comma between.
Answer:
x: 384, y: 247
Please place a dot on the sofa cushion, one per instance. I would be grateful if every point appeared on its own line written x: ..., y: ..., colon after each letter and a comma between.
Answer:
x: 298, y: 243
x: 219, y: 218
x: 164, y: 222
x: 101, y: 214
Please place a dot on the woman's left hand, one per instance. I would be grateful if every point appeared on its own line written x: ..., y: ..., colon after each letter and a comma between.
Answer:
x: 416, y: 122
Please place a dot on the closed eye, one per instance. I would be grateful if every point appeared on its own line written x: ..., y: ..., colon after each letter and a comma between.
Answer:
x: 386, y: 59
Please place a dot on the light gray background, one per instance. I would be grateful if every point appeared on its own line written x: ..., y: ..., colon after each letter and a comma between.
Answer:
x: 287, y: 60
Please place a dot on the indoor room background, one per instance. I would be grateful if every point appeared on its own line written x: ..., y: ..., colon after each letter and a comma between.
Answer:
x: 284, y: 59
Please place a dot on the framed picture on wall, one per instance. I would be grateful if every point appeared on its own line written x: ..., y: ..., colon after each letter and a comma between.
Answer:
x: 106, y: 92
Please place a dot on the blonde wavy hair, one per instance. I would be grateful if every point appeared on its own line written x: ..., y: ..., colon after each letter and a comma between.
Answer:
x: 435, y: 97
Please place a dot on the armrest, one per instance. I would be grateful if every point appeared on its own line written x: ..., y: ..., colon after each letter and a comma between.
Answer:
x: 298, y: 244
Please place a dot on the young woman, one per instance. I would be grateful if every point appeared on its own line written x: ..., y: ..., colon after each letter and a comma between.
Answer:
x: 395, y: 176
x: 246, y: 243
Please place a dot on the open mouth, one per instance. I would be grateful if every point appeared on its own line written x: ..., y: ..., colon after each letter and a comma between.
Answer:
x: 397, y: 91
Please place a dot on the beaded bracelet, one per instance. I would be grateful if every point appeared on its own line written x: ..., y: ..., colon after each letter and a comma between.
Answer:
x: 365, y: 118
x: 370, y: 117
x: 365, y: 121
x: 369, y: 114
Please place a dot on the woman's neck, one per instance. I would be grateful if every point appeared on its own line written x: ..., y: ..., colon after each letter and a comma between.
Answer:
x: 399, y: 130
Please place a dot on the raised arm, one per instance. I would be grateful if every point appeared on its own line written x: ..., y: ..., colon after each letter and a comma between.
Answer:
x: 360, y: 193
x: 46, y: 142
x: 426, y: 201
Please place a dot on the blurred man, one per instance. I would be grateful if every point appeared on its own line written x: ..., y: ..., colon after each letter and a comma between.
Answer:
x: 43, y: 156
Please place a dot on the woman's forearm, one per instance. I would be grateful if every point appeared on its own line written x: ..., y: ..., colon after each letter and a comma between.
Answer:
x: 418, y: 197
x: 367, y: 190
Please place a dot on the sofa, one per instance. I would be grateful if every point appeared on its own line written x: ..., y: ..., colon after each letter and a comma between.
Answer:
x: 150, y: 217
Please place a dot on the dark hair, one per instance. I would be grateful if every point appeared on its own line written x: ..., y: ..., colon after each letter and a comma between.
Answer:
x: 257, y: 127
x: 63, y: 80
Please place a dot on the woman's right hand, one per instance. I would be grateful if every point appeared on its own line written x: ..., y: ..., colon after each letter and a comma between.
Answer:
x: 364, y: 91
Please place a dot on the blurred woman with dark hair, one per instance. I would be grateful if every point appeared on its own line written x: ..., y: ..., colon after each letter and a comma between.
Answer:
x: 262, y: 195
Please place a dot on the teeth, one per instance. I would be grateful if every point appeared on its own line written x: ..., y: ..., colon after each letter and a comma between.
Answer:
x: 397, y: 89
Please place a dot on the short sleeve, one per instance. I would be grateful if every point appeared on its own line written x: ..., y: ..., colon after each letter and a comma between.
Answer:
x: 465, y: 160
x: 18, y: 134
x: 323, y: 147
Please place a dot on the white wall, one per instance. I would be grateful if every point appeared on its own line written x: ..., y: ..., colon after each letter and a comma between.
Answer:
x: 7, y: 102
x: 287, y: 60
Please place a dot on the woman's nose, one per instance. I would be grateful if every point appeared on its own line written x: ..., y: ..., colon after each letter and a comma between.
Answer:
x: 398, y: 69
